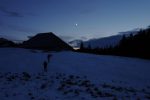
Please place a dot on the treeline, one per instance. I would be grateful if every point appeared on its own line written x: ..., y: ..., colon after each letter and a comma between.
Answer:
x: 137, y: 45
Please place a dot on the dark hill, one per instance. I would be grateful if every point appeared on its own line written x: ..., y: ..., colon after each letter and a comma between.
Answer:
x: 46, y: 41
x: 6, y: 43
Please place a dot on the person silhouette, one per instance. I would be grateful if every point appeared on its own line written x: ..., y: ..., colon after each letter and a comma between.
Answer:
x: 45, y: 66
x: 48, y: 57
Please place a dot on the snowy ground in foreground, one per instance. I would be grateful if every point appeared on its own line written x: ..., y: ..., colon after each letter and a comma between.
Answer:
x: 72, y: 76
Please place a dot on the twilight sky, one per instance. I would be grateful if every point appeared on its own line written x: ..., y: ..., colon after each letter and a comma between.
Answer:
x: 72, y: 19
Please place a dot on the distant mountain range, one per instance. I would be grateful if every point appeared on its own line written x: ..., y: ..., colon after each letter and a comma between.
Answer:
x: 94, y: 43
x: 103, y: 42
x: 41, y: 41
x: 134, y: 31
x: 75, y: 43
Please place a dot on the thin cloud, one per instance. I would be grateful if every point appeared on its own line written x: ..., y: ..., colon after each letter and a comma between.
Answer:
x: 21, y: 29
x: 10, y: 13
x: 66, y: 38
x: 5, y: 26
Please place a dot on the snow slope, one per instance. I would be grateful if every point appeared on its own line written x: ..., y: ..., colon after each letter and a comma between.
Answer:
x: 71, y: 76
x: 99, y: 42
x: 18, y: 60
x: 75, y: 43
x: 104, y: 42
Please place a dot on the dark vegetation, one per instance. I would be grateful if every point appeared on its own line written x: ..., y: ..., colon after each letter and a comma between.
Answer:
x: 137, y: 45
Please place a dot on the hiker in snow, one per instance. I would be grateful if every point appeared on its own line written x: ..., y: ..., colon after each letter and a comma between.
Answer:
x: 48, y: 57
x: 45, y: 66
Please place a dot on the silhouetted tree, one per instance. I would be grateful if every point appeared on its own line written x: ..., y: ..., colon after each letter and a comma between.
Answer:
x: 81, y: 46
x: 137, y: 45
x: 89, y: 47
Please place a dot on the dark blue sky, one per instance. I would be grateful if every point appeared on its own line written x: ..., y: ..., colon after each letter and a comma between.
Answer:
x: 72, y: 18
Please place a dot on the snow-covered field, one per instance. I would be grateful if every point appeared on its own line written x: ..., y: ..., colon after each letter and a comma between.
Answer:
x: 71, y: 76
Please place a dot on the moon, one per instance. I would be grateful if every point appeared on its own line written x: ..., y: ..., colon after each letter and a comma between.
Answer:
x: 76, y: 25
